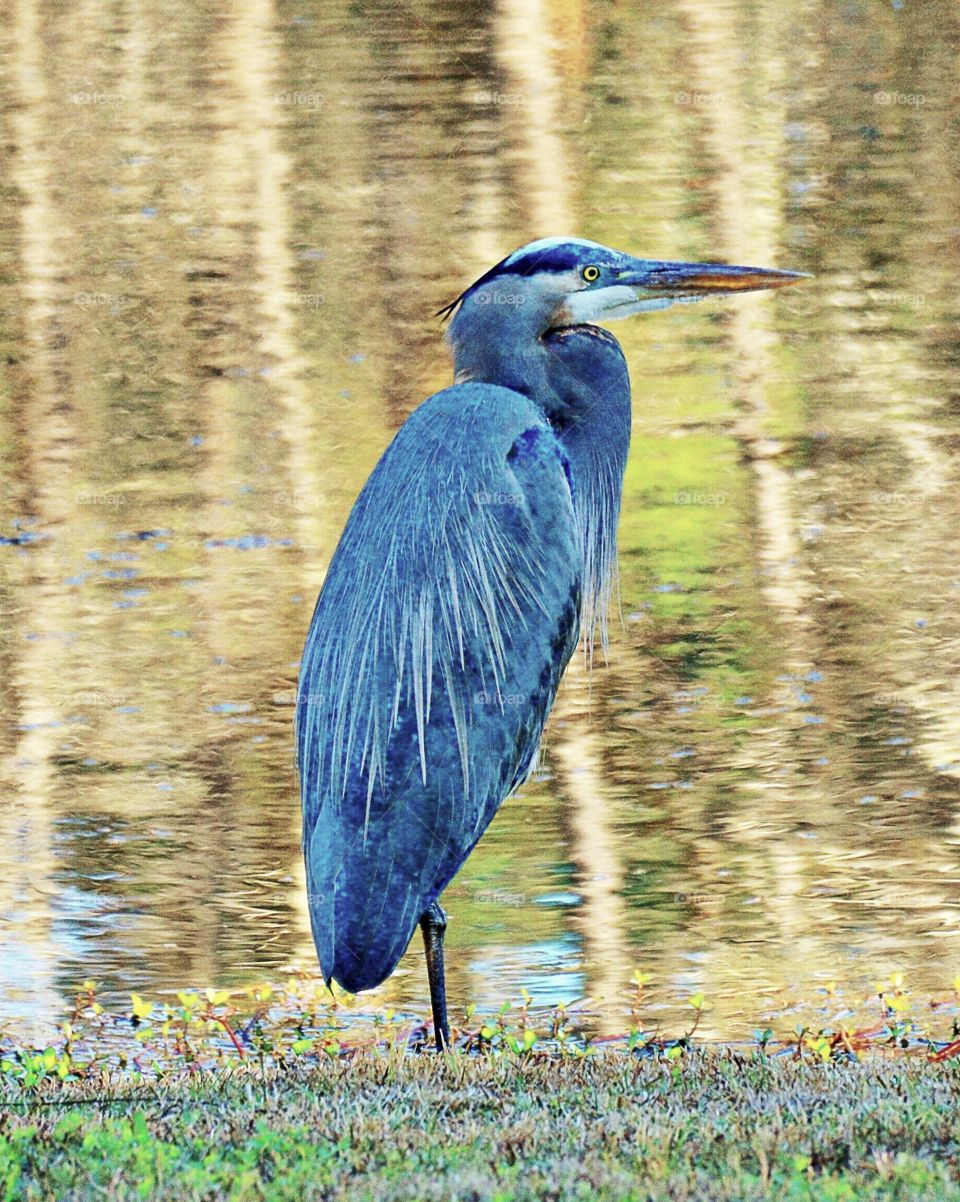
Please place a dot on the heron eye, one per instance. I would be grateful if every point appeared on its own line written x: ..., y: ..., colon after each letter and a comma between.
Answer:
x: 591, y: 273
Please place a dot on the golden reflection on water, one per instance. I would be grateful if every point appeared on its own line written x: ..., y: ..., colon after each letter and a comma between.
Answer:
x: 224, y: 229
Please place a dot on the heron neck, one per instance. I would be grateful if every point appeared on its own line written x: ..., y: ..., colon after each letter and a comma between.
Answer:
x: 578, y: 377
x: 496, y: 342
x: 589, y: 380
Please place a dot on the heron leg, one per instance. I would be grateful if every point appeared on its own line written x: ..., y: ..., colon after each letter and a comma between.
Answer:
x: 433, y: 923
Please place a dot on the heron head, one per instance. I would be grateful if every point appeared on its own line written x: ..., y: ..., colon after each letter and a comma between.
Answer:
x: 557, y: 282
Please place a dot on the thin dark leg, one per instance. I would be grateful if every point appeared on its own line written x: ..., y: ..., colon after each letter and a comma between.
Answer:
x: 433, y: 923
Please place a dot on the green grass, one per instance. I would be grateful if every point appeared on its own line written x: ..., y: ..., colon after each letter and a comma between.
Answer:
x: 395, y: 1125
x: 293, y: 1093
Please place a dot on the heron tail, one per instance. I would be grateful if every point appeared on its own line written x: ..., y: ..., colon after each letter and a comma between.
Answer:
x: 362, y: 921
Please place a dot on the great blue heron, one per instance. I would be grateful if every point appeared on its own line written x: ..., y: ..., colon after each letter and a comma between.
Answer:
x: 481, y: 546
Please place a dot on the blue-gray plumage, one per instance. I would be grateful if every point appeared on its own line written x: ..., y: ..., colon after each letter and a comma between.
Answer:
x: 480, y: 548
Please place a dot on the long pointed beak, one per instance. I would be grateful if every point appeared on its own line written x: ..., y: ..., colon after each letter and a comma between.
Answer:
x: 653, y: 280
x: 639, y: 285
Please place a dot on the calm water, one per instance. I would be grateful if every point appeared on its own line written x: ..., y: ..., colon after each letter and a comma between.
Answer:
x: 223, y: 230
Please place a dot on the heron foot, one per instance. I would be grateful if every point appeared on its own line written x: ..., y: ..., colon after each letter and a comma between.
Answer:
x: 433, y: 923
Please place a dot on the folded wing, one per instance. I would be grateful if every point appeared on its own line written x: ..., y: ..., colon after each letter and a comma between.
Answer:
x: 448, y: 614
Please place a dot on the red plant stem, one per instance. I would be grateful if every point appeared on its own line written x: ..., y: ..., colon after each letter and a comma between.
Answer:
x: 229, y: 1030
x: 947, y: 1053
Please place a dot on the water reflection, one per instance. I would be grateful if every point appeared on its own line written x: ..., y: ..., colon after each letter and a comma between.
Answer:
x: 224, y: 230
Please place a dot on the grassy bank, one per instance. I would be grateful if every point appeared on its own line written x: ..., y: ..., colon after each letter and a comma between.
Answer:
x: 394, y: 1125
x: 289, y: 1093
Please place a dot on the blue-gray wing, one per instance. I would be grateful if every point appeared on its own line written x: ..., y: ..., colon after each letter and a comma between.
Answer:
x: 449, y: 611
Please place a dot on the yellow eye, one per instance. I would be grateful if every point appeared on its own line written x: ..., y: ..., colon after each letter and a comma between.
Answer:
x: 591, y: 273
